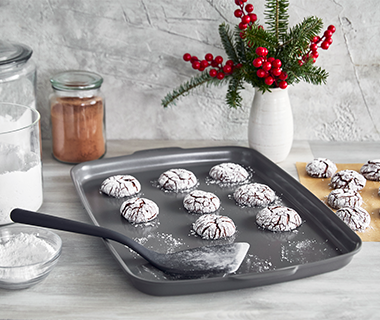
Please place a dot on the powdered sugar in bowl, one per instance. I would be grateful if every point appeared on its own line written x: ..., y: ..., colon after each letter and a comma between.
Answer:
x: 27, y: 255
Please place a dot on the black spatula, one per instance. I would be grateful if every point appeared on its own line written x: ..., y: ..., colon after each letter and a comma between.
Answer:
x: 196, y: 261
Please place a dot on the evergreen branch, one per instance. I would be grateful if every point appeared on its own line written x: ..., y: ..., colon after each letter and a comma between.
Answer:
x: 276, y: 17
x: 226, y: 36
x: 233, y: 97
x: 184, y: 89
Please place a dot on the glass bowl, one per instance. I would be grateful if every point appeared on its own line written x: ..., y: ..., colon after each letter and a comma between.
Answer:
x: 27, y: 255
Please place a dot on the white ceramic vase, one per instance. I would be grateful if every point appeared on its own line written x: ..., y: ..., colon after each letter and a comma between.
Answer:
x: 270, y: 128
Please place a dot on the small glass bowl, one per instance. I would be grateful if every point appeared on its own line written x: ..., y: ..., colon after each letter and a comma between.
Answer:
x: 25, y: 276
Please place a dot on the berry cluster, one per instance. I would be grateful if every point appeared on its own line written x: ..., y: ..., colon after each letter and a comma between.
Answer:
x: 245, y: 13
x: 269, y: 69
x: 325, y: 41
x: 219, y: 70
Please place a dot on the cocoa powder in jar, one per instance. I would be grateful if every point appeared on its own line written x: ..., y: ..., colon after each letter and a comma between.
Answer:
x: 78, y: 129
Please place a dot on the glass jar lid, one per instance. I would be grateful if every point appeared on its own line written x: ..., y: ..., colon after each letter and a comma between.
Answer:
x: 76, y: 80
x: 14, y: 53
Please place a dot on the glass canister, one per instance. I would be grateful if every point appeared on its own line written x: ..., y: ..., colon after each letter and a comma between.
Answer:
x: 20, y: 160
x: 77, y: 109
x: 17, y: 74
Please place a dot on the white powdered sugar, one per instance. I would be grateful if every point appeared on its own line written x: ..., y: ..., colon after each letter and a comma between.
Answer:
x: 20, y: 188
x: 24, y: 249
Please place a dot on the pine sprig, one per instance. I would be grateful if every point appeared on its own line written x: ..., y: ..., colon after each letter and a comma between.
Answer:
x: 184, y: 89
x: 227, y: 39
x: 233, y: 97
x: 276, y: 17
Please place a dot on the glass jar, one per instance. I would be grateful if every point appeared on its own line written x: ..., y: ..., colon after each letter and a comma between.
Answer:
x: 20, y: 160
x: 17, y: 74
x: 77, y: 110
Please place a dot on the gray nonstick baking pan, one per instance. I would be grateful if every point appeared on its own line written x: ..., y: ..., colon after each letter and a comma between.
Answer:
x: 321, y: 244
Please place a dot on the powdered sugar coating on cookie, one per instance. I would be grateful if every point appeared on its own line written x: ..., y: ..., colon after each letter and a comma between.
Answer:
x: 214, y: 227
x: 321, y: 168
x: 229, y: 172
x: 371, y: 170
x: 199, y: 201
x: 278, y: 218
x: 254, y: 194
x: 340, y: 198
x: 120, y: 186
x: 348, y: 180
x: 139, y: 210
x: 177, y: 180
x: 356, y: 218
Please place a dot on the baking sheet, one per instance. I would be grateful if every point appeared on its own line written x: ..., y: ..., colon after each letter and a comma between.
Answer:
x: 371, y: 200
x: 323, y: 243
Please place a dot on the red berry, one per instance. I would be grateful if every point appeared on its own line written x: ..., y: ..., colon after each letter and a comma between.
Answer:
x: 213, y: 73
x: 193, y: 59
x: 315, y: 54
x: 315, y: 39
x: 220, y: 75
x: 331, y: 28
x: 328, y: 34
x: 265, y: 51
x: 253, y: 17
x: 314, y: 47
x: 187, y: 57
x: 260, y: 27
x: 249, y: 7
x: 238, y: 13
x: 242, y: 26
x: 230, y: 63
x: 204, y: 64
x: 201, y: 68
x: 209, y: 57
x: 271, y: 59
x: 300, y: 63
x: 276, y: 72
x: 276, y: 63
x: 238, y: 2
x: 196, y: 65
x: 239, y: 65
x: 283, y: 84
x: 242, y: 35
x: 283, y: 76
x: 261, y: 73
x: 325, y: 45
x: 214, y: 64
x: 227, y: 68
x: 329, y: 40
x: 267, y: 66
x: 218, y: 59
x: 269, y: 80
x: 260, y: 51
x: 246, y: 19
x: 257, y: 62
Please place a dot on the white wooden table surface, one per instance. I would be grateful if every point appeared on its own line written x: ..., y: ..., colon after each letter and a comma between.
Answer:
x: 87, y: 283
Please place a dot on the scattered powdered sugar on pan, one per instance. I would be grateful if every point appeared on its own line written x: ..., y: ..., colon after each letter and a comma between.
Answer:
x: 161, y: 242
x: 253, y: 263
x: 305, y: 251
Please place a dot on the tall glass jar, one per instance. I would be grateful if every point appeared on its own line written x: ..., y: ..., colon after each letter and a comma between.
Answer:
x: 77, y: 109
x: 17, y: 74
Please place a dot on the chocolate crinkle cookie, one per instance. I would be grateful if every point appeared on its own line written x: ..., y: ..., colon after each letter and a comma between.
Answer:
x: 371, y: 170
x: 229, y: 172
x: 177, y: 180
x: 278, y: 218
x: 340, y: 198
x: 213, y: 227
x: 356, y: 218
x: 348, y: 180
x: 199, y: 201
x: 139, y: 210
x: 120, y: 186
x: 254, y: 194
x: 321, y: 168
